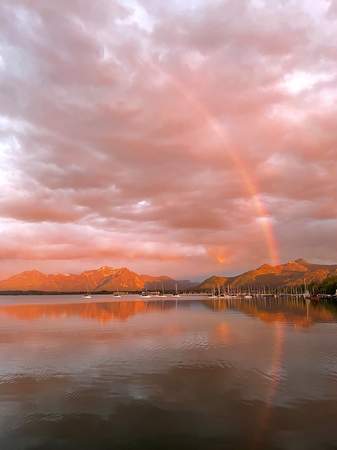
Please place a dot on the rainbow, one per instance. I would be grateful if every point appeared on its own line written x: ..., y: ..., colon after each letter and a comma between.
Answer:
x: 239, y: 164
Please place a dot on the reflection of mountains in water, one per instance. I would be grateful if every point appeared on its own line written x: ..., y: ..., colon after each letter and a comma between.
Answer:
x: 297, y: 313
x: 292, y: 311
x: 103, y: 312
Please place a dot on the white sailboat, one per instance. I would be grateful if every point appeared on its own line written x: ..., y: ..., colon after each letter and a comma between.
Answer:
x: 162, y: 294
x: 306, y: 291
x: 146, y: 294
x: 213, y: 294
x: 176, y: 293
x: 227, y: 293
x: 87, y: 295
x: 248, y: 296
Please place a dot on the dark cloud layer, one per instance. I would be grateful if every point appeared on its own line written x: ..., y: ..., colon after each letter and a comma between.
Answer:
x: 148, y: 133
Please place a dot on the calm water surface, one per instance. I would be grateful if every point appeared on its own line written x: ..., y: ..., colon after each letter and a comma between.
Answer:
x: 164, y: 374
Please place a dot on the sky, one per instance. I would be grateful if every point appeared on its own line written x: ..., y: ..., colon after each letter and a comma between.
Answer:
x: 180, y: 138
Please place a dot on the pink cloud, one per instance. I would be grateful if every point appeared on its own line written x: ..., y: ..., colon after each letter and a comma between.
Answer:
x: 145, y: 141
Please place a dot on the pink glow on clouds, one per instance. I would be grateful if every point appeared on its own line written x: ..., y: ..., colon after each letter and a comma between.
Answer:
x: 172, y: 139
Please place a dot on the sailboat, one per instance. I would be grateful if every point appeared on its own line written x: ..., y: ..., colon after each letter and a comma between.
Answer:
x: 227, y: 292
x: 248, y: 296
x: 87, y: 295
x: 213, y: 294
x: 162, y: 294
x: 306, y: 291
x: 146, y: 294
x: 117, y: 294
x: 176, y: 293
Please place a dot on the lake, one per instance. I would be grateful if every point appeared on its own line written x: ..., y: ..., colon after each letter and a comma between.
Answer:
x: 165, y: 374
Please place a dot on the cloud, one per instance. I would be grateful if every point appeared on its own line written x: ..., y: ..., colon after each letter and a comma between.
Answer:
x: 191, y: 111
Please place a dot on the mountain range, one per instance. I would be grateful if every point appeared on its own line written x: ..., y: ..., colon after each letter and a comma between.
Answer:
x: 292, y: 273
x: 102, y: 279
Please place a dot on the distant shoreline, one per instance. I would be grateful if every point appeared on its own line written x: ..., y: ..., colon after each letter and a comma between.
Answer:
x: 3, y: 293
x: 66, y: 293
